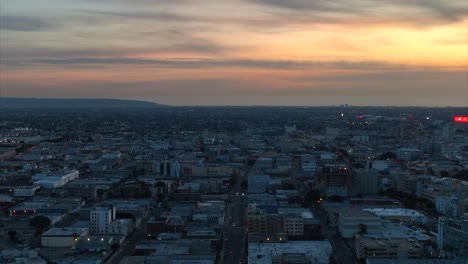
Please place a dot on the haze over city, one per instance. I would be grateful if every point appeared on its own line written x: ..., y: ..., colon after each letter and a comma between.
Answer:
x: 249, y: 52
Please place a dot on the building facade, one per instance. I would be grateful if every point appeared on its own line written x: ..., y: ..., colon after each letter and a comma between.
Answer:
x: 100, y: 219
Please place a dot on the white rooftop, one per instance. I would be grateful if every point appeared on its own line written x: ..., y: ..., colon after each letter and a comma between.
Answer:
x: 394, y: 212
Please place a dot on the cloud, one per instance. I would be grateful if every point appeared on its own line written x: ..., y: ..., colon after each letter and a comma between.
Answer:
x: 412, y: 12
x: 156, y: 16
x: 23, y: 23
x: 208, y: 63
x: 152, y: 41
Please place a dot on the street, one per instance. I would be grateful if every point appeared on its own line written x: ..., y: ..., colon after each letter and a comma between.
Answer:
x: 235, y: 236
x: 126, y: 249
x: 341, y: 253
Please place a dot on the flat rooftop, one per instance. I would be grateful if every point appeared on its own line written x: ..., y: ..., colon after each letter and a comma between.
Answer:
x: 62, y: 232
x: 267, y: 253
x: 394, y: 212
x: 357, y: 214
x: 414, y: 261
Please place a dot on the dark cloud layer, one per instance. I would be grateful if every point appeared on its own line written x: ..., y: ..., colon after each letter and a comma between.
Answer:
x: 448, y: 10
x: 23, y: 23
x: 210, y: 63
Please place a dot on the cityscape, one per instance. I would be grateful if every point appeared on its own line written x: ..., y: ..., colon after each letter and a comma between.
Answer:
x: 233, y: 132
x: 208, y: 185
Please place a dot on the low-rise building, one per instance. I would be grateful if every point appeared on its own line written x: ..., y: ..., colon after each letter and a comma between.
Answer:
x: 351, y: 223
x: 372, y: 247
x: 290, y: 252
x: 25, y: 191
x: 256, y: 219
x: 294, y: 224
x: 452, y: 237
x: 121, y: 227
x: 398, y: 214
x: 62, y: 237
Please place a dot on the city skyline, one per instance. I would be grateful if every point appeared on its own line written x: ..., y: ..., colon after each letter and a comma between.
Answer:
x: 249, y: 52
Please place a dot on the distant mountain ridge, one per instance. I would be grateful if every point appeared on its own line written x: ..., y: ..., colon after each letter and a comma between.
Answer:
x: 14, y: 102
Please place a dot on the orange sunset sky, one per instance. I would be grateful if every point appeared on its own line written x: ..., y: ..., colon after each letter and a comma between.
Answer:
x: 237, y: 52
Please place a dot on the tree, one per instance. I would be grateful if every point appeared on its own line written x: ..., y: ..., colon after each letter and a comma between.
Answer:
x: 343, y: 152
x: 160, y: 185
x: 123, y: 215
x: 362, y: 229
x: 40, y: 222
x: 251, y: 162
x: 335, y: 199
x: 462, y: 175
x: 312, y: 197
x: 232, y: 181
x: 160, y: 197
x: 444, y: 174
x: 12, y: 234
x: 145, y: 193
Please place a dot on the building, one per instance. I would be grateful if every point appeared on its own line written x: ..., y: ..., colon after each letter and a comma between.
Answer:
x: 290, y: 252
x: 27, y: 208
x: 121, y: 227
x: 408, y: 154
x: 51, y: 181
x: 256, y: 218
x: 413, y: 261
x: 176, y: 224
x: 82, y: 191
x: 442, y: 204
x: 156, y: 226
x: 312, y: 228
x: 351, y: 223
x: 101, y: 218
x: 25, y: 191
x: 294, y: 224
x: 335, y: 180
x: 371, y: 247
x: 452, y: 237
x: 398, y: 214
x: 62, y: 237
x: 168, y: 168
x: 274, y: 223
x: 100, y: 243
x: 366, y: 182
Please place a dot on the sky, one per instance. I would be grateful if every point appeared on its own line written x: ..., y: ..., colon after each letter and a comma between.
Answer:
x: 237, y: 52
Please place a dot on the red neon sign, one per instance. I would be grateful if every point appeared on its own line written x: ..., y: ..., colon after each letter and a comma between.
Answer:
x: 461, y: 119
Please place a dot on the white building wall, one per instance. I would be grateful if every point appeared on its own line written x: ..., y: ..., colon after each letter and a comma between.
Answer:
x: 100, y: 219
x: 442, y: 204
